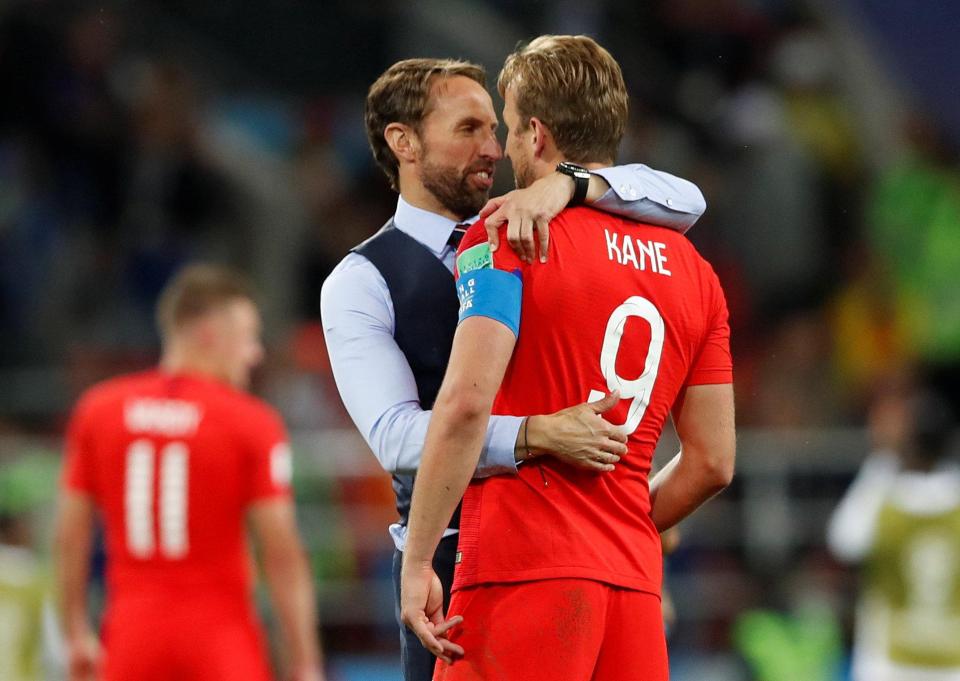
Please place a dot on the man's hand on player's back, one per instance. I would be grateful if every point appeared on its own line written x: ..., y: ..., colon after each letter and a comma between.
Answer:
x: 577, y: 435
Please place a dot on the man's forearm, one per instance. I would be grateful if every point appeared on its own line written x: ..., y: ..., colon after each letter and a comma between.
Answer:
x: 398, y: 436
x: 481, y: 351
x: 596, y: 189
x: 449, y: 459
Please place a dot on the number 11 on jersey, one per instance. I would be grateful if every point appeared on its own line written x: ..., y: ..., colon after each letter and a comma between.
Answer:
x: 638, y: 389
x: 171, y: 505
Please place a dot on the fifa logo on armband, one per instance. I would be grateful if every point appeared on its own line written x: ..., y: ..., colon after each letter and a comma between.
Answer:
x: 465, y: 292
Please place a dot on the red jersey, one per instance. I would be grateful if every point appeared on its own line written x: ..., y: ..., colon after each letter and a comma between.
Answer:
x: 619, y: 305
x: 172, y: 462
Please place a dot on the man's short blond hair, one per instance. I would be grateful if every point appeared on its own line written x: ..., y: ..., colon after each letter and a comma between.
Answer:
x: 196, y: 290
x: 402, y: 95
x: 575, y: 87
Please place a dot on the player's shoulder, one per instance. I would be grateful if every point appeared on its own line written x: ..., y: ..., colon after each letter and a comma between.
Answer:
x: 247, y: 408
x: 475, y: 235
x: 475, y: 252
x: 113, y: 390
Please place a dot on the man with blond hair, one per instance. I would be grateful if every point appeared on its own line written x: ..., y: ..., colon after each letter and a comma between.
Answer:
x: 559, y: 570
x: 177, y: 461
x: 389, y: 309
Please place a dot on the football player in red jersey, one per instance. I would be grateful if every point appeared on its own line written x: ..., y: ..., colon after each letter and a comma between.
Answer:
x: 559, y: 569
x: 176, y: 461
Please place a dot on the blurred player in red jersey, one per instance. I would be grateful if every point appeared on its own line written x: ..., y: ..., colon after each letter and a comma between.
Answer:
x: 559, y: 569
x: 177, y: 461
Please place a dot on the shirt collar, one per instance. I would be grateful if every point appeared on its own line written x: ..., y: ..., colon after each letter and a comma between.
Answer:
x: 428, y: 228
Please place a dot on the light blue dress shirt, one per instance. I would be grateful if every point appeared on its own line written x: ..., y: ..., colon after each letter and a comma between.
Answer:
x: 375, y: 381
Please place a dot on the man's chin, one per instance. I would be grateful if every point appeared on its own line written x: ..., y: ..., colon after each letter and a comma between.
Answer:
x: 477, y: 200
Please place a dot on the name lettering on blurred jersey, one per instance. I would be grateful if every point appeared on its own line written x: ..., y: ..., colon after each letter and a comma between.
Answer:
x: 170, y: 418
x: 643, y: 255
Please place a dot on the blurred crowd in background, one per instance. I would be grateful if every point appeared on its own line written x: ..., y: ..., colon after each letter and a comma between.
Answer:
x: 138, y: 136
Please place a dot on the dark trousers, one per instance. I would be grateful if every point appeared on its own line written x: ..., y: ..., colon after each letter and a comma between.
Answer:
x: 417, y: 661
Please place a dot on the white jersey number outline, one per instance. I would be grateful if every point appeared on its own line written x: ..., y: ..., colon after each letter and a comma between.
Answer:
x: 172, y: 504
x: 640, y: 388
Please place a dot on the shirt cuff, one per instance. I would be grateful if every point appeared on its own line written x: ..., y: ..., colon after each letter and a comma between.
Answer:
x: 498, y: 449
x: 636, y: 181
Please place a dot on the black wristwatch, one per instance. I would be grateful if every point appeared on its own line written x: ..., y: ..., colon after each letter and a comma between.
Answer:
x: 581, y: 181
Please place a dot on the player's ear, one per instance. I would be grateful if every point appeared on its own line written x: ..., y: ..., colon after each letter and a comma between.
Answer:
x: 403, y: 141
x: 541, y: 134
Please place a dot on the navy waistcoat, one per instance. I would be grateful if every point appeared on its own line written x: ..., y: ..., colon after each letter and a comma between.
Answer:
x: 425, y: 310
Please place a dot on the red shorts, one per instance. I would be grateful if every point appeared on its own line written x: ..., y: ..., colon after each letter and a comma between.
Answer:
x: 569, y: 629
x: 189, y: 641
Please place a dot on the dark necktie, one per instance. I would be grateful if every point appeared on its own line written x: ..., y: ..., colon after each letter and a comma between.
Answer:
x: 456, y: 236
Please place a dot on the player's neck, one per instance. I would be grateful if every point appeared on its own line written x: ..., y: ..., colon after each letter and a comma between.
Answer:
x: 178, y: 360
x: 547, y: 164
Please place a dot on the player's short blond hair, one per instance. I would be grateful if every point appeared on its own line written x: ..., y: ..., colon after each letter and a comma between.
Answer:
x: 402, y: 95
x: 196, y: 290
x: 575, y: 87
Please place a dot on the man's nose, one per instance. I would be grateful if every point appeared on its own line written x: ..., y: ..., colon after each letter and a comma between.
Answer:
x: 491, y: 148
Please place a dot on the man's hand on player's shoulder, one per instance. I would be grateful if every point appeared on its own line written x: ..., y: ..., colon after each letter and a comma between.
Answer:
x: 578, y: 435
x: 421, y: 609
x: 527, y: 211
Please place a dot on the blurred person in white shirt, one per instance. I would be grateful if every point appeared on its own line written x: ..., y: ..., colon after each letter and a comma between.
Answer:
x: 900, y: 521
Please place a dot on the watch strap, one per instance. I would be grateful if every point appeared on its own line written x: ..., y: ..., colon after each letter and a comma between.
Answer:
x: 581, y: 181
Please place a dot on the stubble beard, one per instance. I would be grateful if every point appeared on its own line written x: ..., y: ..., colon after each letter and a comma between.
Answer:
x: 522, y: 172
x: 452, y: 188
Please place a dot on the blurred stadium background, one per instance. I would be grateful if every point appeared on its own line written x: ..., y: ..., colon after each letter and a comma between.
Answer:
x: 136, y: 136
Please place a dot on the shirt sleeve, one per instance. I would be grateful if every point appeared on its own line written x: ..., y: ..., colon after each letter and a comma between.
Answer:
x: 271, y: 461
x: 642, y: 194
x: 714, y: 363
x: 489, y: 285
x: 851, y: 528
x: 78, y: 473
x: 375, y: 381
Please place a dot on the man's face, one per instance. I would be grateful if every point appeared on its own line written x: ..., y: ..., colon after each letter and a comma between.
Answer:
x: 235, y: 334
x: 519, y: 147
x: 459, y: 147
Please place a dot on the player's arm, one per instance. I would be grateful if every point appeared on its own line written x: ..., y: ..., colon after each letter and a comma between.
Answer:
x: 633, y: 191
x: 490, y: 305
x: 287, y: 575
x: 704, y: 419
x: 481, y: 351
x: 74, y: 539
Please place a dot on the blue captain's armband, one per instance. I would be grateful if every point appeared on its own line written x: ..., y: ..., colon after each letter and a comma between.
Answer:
x: 491, y: 293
